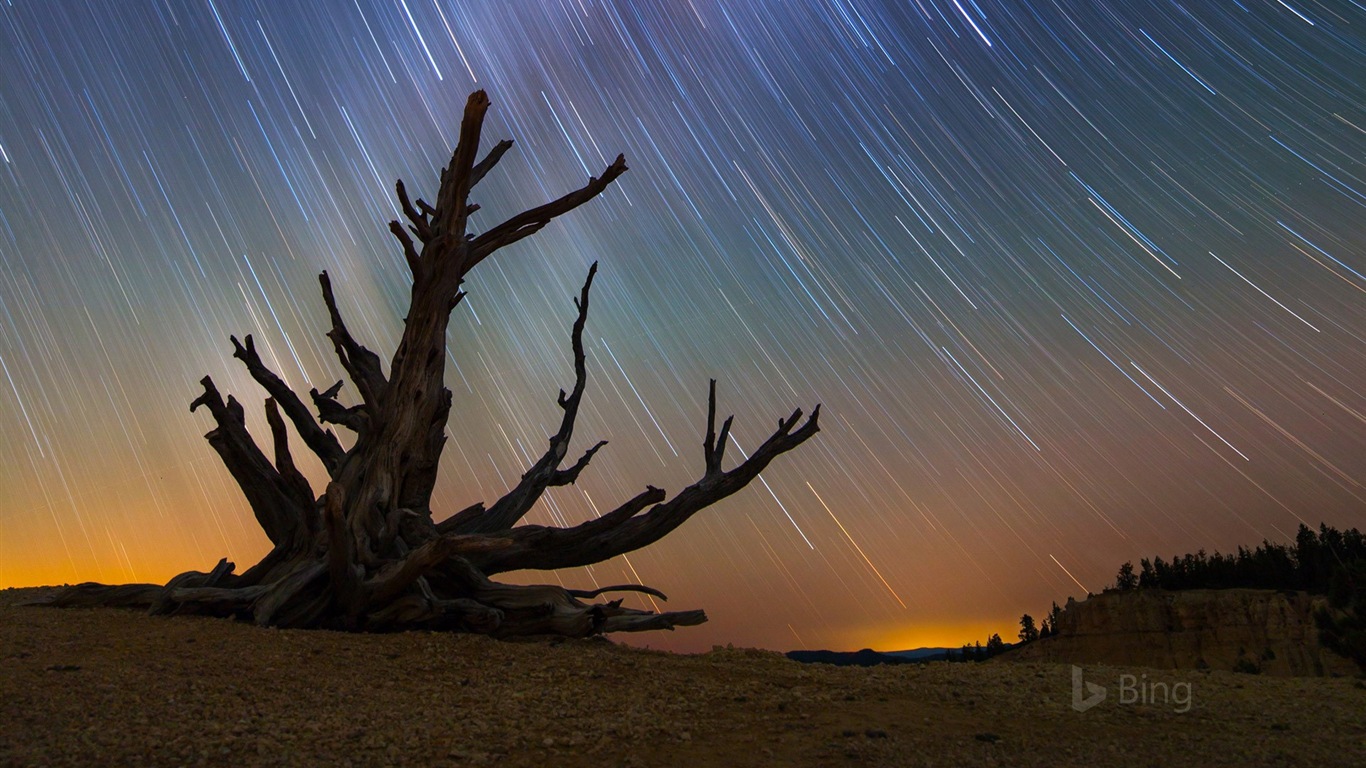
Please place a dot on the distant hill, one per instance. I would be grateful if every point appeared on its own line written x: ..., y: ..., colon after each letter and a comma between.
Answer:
x: 1280, y: 608
x: 870, y: 658
x: 927, y: 654
x: 1241, y: 630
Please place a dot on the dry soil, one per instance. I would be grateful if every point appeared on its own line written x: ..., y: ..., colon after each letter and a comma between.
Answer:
x: 111, y: 687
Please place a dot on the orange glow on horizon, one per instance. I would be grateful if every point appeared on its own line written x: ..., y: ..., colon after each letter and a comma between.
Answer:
x: 950, y: 634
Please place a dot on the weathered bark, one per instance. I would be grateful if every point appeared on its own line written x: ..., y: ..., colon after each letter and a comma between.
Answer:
x: 322, y: 442
x: 546, y: 472
x: 366, y: 554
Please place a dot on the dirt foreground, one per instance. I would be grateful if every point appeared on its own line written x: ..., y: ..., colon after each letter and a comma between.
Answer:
x: 110, y: 687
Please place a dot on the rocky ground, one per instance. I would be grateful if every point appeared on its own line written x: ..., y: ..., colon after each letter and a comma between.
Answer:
x: 110, y: 687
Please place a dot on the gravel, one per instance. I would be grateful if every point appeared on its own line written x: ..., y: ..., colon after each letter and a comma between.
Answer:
x: 112, y: 687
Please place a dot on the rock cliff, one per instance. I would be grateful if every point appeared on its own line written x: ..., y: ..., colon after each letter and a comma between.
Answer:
x: 1246, y: 630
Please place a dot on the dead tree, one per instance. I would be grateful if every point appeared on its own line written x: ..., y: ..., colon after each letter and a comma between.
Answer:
x: 367, y: 553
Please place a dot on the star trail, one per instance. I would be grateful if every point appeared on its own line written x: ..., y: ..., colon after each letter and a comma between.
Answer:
x: 1075, y: 282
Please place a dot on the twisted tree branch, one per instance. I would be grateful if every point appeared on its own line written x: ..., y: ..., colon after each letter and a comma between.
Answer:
x: 409, y: 250
x: 296, y: 485
x: 624, y: 530
x: 362, y: 365
x: 321, y: 441
x: 546, y: 472
x: 530, y: 222
x: 452, y: 199
x: 421, y: 224
x: 481, y: 169
x: 268, y: 493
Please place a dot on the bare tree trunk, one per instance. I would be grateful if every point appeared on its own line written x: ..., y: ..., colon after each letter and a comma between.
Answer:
x: 367, y: 553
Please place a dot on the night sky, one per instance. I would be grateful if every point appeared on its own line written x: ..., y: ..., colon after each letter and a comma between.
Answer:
x: 1076, y: 282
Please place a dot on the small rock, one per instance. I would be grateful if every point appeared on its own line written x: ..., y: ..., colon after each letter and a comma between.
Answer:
x: 988, y: 737
x: 874, y: 733
x: 64, y: 668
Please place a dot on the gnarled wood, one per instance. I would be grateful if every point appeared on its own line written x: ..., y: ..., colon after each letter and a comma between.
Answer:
x: 361, y: 364
x: 366, y: 554
x: 546, y: 472
x: 321, y: 441
x: 627, y: 529
x: 267, y: 491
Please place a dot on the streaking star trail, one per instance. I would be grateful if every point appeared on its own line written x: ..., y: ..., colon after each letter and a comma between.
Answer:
x: 1076, y: 282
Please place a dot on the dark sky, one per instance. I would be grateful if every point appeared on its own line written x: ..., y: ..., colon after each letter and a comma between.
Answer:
x: 1076, y: 282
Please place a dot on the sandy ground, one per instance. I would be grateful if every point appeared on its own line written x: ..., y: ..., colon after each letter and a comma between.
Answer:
x: 110, y: 687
